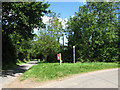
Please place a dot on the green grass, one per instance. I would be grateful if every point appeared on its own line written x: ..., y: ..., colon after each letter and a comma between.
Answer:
x: 50, y: 71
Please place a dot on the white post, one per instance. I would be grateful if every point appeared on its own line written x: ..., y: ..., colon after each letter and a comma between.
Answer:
x: 74, y: 54
x: 60, y: 59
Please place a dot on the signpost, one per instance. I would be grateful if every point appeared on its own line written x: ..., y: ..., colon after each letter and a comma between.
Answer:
x: 59, y: 58
x: 74, y: 54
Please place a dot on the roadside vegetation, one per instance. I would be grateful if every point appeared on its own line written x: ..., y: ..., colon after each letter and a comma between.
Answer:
x: 93, y: 30
x: 51, y: 71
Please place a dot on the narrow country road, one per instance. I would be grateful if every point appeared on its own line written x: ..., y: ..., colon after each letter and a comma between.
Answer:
x: 98, y: 79
x: 8, y: 76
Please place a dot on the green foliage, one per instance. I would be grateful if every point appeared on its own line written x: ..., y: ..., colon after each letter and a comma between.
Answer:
x: 47, y: 42
x: 18, y: 21
x: 93, y: 30
x: 49, y: 71
x: 23, y: 17
x: 119, y: 33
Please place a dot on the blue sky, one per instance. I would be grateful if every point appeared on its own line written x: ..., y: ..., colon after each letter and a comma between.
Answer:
x: 66, y: 9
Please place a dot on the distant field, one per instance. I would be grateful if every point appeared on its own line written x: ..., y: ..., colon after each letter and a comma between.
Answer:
x: 50, y: 71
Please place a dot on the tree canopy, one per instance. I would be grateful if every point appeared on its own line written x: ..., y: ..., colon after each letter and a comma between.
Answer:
x: 94, y: 32
x: 47, y: 41
x: 18, y: 21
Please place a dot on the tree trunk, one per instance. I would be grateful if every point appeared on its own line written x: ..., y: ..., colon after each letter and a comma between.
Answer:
x: 45, y: 57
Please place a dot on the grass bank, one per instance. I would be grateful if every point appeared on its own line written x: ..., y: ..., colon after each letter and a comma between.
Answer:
x: 50, y: 71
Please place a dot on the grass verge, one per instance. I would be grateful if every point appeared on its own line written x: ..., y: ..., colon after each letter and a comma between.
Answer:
x: 50, y: 71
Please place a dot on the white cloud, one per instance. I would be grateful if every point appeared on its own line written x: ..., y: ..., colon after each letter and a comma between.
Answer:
x: 63, y: 22
x: 45, y: 20
x: 36, y: 31
x: 72, y: 16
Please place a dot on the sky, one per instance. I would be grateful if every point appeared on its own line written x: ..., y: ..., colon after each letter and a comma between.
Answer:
x: 66, y: 9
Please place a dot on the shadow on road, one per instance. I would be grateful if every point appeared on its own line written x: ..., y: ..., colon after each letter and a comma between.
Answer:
x: 12, y: 72
x: 17, y: 70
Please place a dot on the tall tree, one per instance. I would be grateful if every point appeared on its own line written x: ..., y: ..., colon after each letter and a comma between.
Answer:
x: 55, y: 26
x: 48, y: 38
x: 18, y: 20
x: 93, y: 31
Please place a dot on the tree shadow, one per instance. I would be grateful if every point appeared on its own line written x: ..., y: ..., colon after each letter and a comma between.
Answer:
x: 17, y: 70
x: 12, y: 72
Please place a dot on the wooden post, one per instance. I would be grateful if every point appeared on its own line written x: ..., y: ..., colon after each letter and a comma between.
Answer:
x: 60, y: 59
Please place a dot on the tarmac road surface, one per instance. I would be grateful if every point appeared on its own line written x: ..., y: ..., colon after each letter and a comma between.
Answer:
x: 10, y: 75
x: 97, y: 79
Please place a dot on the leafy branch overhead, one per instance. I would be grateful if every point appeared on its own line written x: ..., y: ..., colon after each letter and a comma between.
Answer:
x: 18, y: 22
x: 23, y: 17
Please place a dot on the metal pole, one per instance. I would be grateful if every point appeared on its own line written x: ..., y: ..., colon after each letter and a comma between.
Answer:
x: 74, y: 54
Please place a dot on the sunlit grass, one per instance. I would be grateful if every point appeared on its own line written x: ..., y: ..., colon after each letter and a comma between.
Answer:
x: 49, y: 71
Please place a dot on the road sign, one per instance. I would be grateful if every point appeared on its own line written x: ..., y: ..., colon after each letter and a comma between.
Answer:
x: 58, y: 56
